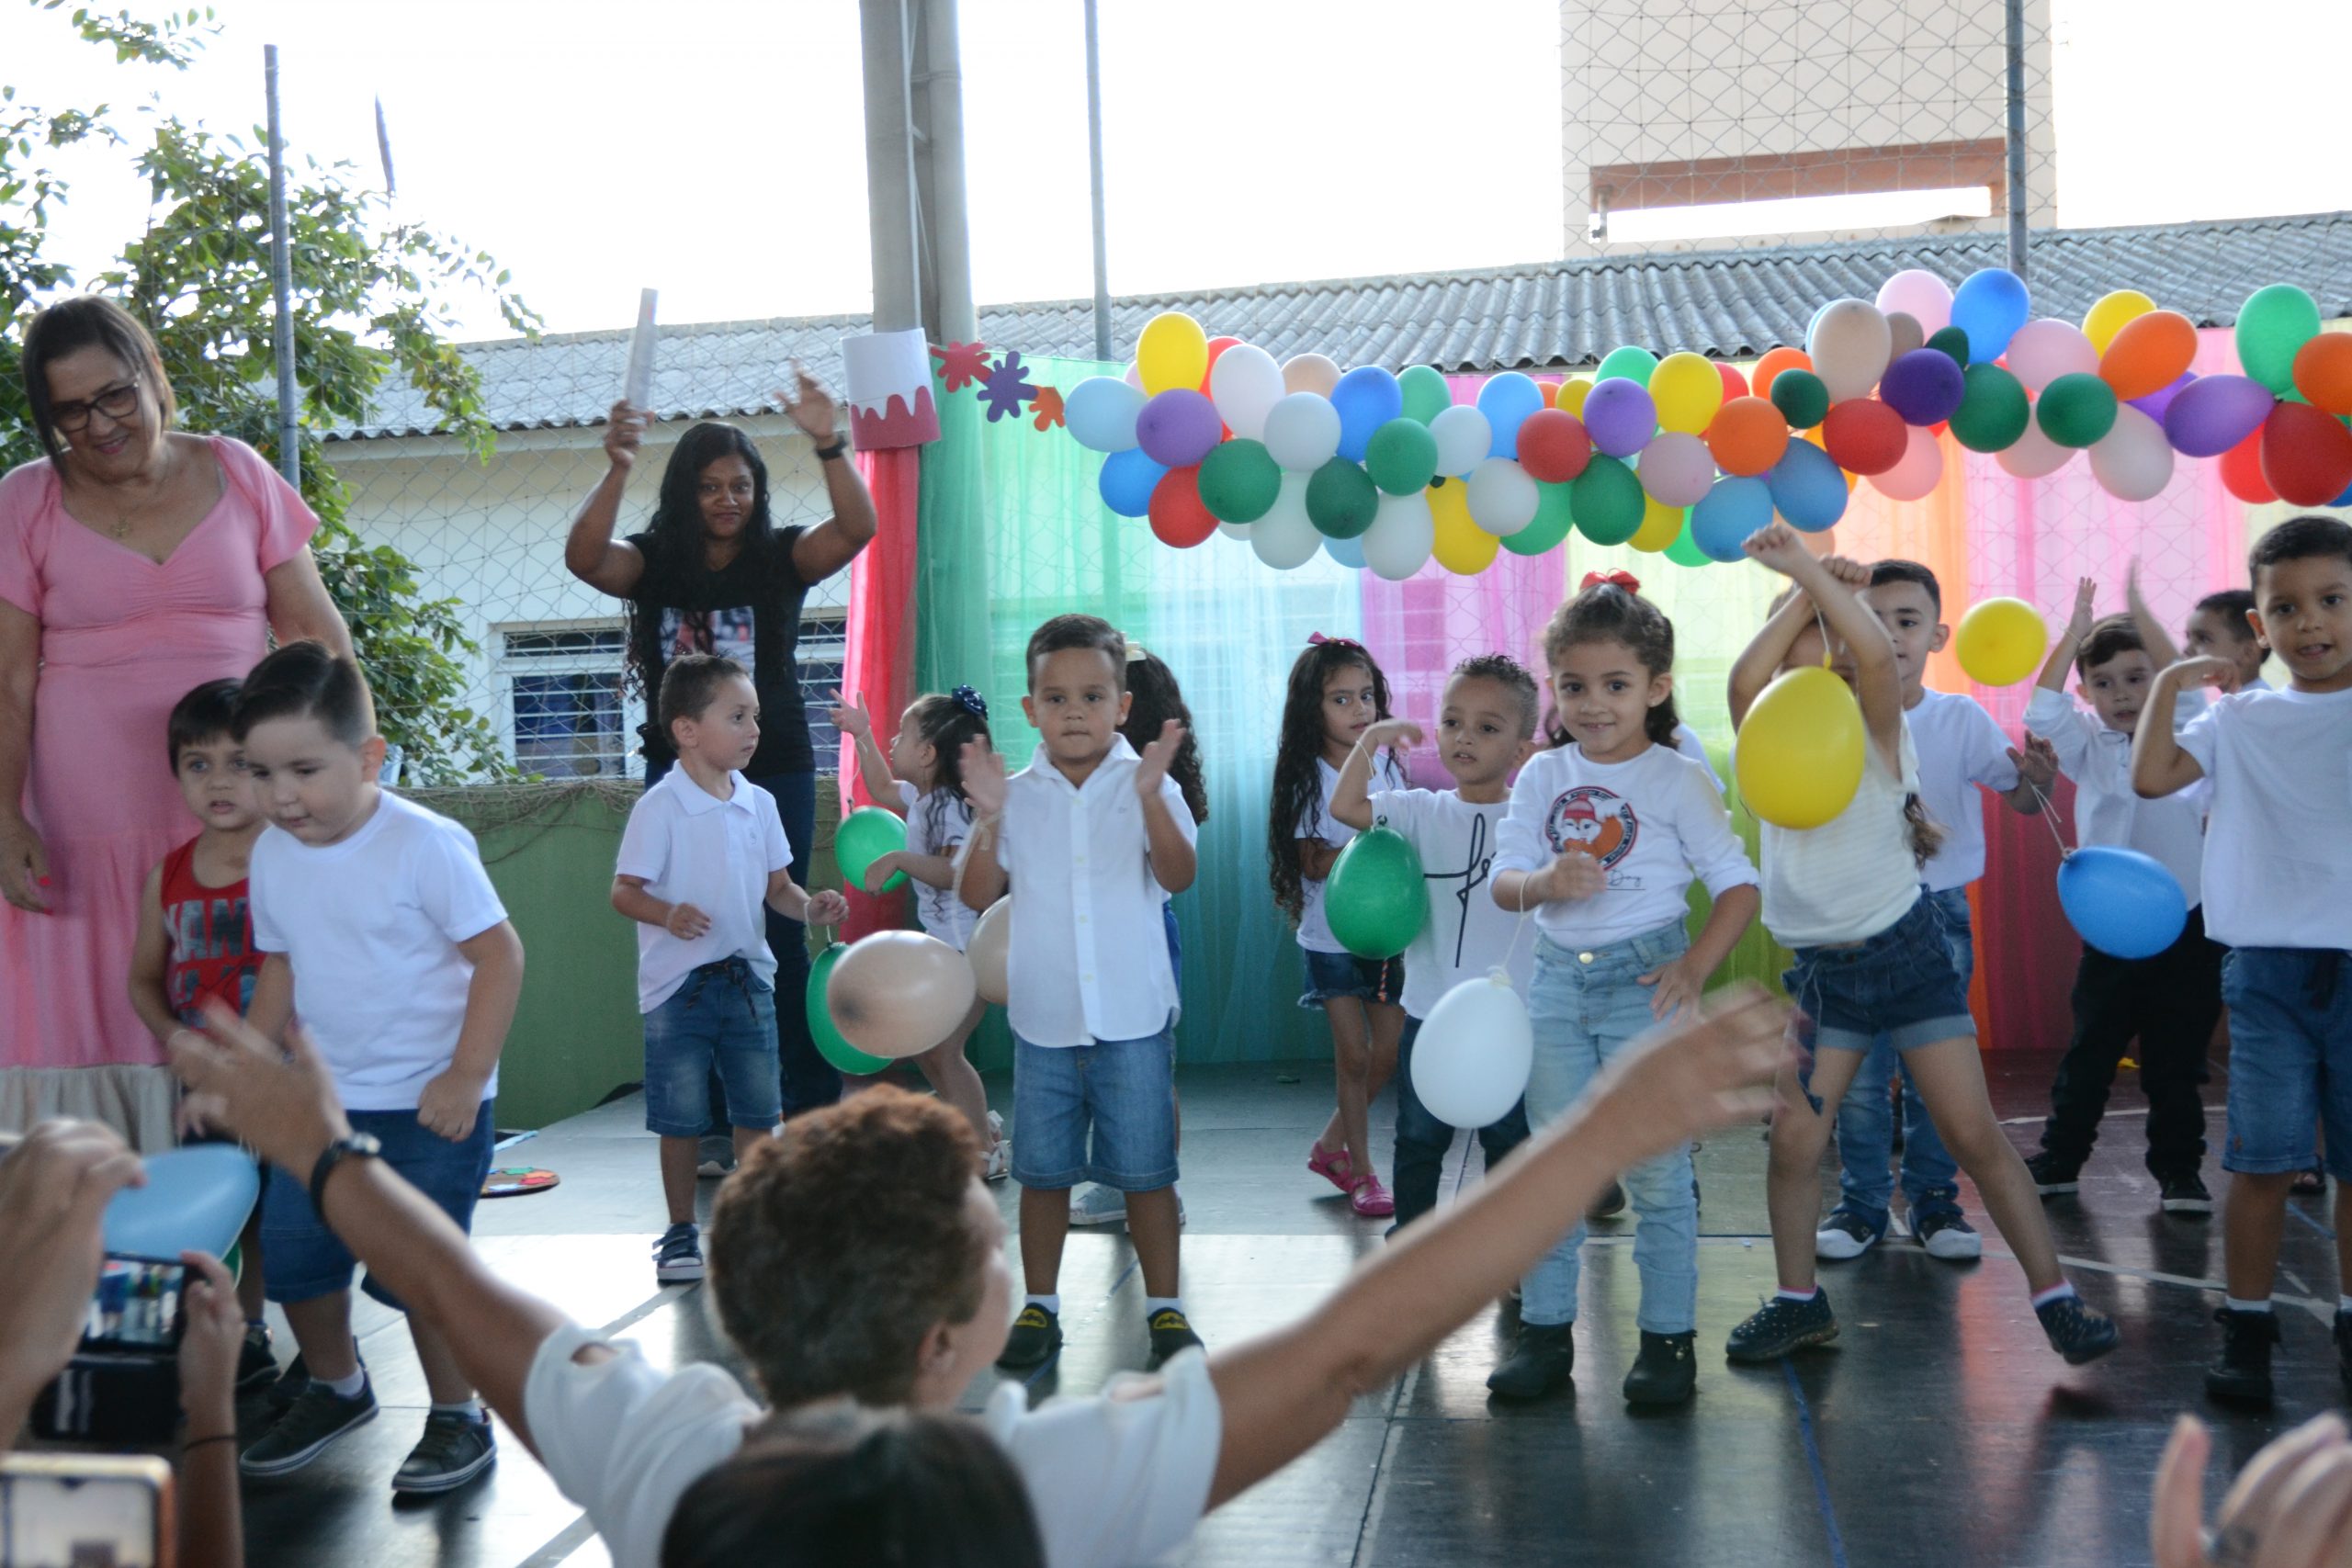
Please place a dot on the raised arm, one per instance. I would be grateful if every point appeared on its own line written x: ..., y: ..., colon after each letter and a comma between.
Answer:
x: 2159, y: 766
x: 1351, y: 797
x: 1175, y: 863
x: 2161, y: 648
x: 590, y: 552
x: 831, y: 544
x: 1830, y: 583
x: 1759, y: 662
x: 984, y: 786
x: 2055, y: 668
x: 857, y: 721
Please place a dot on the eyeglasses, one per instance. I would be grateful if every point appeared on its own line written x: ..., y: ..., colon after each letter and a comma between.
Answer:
x: 118, y: 403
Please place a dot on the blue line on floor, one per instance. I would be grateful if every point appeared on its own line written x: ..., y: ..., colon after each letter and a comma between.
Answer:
x: 1813, y: 1457
x: 2296, y: 1209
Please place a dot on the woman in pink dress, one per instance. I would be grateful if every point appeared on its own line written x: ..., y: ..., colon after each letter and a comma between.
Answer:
x: 135, y: 563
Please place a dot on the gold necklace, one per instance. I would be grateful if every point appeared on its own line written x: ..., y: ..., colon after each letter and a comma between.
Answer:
x: 122, y: 519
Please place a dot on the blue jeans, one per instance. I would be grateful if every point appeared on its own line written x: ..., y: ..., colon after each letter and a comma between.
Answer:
x: 1101, y: 1113
x: 1586, y: 1008
x: 2291, y: 1058
x: 1423, y: 1140
x: 722, y: 1020
x: 1866, y: 1123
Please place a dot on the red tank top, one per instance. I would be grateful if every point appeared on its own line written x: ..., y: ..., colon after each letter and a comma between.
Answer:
x: 210, y: 931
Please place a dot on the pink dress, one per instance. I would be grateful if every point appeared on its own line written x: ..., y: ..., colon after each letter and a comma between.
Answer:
x: 122, y: 640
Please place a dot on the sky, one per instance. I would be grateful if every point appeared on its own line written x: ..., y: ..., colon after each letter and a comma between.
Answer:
x: 713, y: 149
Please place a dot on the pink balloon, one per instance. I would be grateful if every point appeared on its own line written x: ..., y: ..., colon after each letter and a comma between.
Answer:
x: 1677, y: 469
x: 1918, y: 472
x: 2133, y: 461
x: 2045, y: 350
x: 2034, y: 455
x: 1922, y: 295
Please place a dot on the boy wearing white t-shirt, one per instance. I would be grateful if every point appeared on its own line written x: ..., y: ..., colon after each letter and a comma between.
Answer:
x: 1486, y: 728
x: 2277, y: 874
x: 382, y: 931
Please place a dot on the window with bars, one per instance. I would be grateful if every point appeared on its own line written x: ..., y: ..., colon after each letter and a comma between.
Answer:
x: 567, y: 715
x: 824, y: 657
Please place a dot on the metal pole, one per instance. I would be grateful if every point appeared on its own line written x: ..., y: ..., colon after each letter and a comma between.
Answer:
x: 281, y: 284
x: 1094, y: 156
x: 890, y: 167
x: 947, y: 224
x: 2017, y: 137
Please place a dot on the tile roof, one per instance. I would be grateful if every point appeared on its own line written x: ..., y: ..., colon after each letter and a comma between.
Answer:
x: 1729, y: 304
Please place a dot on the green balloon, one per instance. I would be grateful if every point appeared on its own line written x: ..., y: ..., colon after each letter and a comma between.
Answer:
x: 1951, y: 341
x: 1341, y: 498
x: 1401, y: 456
x: 1607, y: 501
x: 831, y: 1045
x: 2272, y: 324
x: 2076, y: 410
x: 1426, y: 393
x: 1553, y: 515
x: 1802, y: 397
x: 1993, y: 411
x: 1375, y: 898
x: 865, y: 836
x: 1685, y: 551
x: 1632, y: 364
x: 1239, y: 480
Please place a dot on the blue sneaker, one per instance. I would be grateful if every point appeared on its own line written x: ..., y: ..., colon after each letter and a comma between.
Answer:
x: 1847, y: 1234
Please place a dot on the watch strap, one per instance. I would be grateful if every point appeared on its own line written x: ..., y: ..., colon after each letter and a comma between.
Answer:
x: 362, y: 1146
x: 840, y: 445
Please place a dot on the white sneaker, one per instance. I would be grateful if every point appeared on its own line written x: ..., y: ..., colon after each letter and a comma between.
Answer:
x: 1096, y: 1204
x: 1001, y: 1156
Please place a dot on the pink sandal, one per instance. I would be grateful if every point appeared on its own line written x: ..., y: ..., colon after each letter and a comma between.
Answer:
x: 1333, y: 1165
x: 1371, y: 1199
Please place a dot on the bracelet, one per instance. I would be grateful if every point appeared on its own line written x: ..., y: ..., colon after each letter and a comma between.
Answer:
x: 827, y: 453
x: 188, y: 1443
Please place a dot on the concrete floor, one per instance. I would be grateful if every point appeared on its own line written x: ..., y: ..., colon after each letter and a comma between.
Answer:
x: 1938, y: 1430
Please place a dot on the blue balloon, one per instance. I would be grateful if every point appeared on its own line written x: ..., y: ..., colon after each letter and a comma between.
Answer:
x: 2124, y: 903
x: 196, y: 1199
x: 1806, y: 487
x: 1730, y: 511
x: 1507, y: 400
x: 1990, y: 305
x: 2344, y: 499
x: 1366, y: 399
x: 1347, y: 552
x: 1100, y: 414
x: 1127, y: 480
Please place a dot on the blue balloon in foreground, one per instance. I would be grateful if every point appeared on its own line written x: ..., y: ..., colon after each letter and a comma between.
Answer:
x: 1990, y: 305
x: 1806, y: 487
x: 196, y: 1199
x: 1127, y: 480
x: 1728, y: 513
x: 2124, y: 903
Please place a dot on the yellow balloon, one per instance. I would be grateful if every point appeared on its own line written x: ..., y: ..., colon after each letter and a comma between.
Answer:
x: 1173, y: 352
x: 1460, y: 546
x: 1661, y: 524
x: 1687, y: 389
x: 2001, y: 641
x: 1572, y: 394
x: 2108, y: 317
x: 1801, y: 752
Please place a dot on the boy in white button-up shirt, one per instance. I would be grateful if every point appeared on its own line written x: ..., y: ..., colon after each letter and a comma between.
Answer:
x: 1092, y: 837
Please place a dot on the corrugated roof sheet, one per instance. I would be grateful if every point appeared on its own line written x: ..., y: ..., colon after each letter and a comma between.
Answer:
x: 1728, y: 304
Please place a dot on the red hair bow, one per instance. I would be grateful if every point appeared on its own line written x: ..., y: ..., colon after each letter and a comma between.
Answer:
x: 1317, y: 640
x: 1621, y: 579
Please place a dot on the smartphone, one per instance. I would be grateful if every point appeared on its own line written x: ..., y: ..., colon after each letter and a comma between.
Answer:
x: 70, y: 1508
x: 136, y: 1305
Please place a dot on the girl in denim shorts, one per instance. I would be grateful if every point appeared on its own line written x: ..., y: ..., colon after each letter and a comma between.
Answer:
x: 1871, y: 958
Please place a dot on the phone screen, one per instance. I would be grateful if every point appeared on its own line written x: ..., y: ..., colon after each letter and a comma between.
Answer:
x: 70, y: 1508
x: 136, y: 1305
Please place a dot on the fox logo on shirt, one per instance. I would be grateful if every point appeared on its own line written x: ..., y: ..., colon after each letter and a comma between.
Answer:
x: 1593, y: 821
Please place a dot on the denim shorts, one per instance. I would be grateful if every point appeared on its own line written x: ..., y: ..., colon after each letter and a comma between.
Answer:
x: 304, y: 1259
x: 1901, y: 984
x: 1330, y: 975
x: 722, y: 1020
x: 1102, y: 1112
x: 2291, y: 1058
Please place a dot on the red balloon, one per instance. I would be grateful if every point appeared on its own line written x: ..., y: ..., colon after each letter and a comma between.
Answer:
x: 1864, y: 436
x: 1178, y: 517
x: 1735, y: 384
x: 2306, y: 454
x: 1553, y: 446
x: 2242, y: 472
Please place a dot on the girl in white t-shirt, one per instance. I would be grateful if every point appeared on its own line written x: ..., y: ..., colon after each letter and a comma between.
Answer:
x: 1336, y: 693
x: 922, y: 778
x: 1871, y: 958
x: 1604, y: 835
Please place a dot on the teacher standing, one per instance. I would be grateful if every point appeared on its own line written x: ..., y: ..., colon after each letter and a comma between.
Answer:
x: 713, y: 574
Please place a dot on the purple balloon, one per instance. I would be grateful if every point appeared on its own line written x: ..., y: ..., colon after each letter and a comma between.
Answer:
x: 1620, y: 416
x: 1923, y: 386
x: 2213, y: 413
x: 2155, y: 404
x: 1177, y: 427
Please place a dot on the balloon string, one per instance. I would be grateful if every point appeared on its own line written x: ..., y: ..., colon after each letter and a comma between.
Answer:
x: 2050, y: 818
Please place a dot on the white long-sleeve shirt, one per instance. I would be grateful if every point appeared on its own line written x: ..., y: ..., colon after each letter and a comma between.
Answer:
x: 2107, y: 810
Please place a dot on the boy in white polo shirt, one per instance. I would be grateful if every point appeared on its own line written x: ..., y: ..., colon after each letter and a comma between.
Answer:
x: 704, y: 851
x: 2170, y: 1002
x: 1092, y: 837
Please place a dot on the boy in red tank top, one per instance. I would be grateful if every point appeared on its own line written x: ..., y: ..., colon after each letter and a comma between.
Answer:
x: 196, y: 936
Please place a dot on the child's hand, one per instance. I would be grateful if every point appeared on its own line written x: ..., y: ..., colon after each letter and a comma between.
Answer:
x: 1847, y: 570
x: 983, y: 768
x: 854, y: 721
x: 2205, y: 670
x: 448, y: 1105
x: 1401, y: 733
x: 686, y: 922
x: 2079, y: 625
x: 209, y: 1344
x: 879, y: 871
x: 827, y: 909
x: 2038, y: 763
x: 1573, y: 875
x: 1155, y: 758
x: 1778, y: 546
x: 1677, y: 985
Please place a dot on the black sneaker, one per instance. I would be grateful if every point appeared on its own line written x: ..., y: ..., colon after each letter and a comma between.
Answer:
x: 1542, y: 1362
x: 1945, y: 1233
x: 1172, y: 1331
x: 2240, y: 1374
x: 2344, y: 1349
x: 1847, y: 1234
x: 2186, y: 1195
x: 715, y: 1156
x: 288, y: 1387
x: 2077, y: 1330
x: 1665, y: 1372
x: 256, y: 1362
x: 454, y: 1450
x: 1781, y: 1325
x: 313, y: 1421
x: 677, y: 1257
x: 1610, y: 1204
x: 1036, y: 1335
x: 2051, y: 1178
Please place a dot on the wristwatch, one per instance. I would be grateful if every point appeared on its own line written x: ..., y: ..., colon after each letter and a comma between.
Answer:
x: 360, y: 1145
x: 840, y: 445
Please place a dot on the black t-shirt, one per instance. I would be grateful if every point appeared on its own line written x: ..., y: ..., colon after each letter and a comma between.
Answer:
x: 748, y: 611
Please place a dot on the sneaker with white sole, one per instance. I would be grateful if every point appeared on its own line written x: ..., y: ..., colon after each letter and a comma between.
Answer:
x: 715, y: 1156
x: 454, y: 1450
x: 999, y: 1153
x: 677, y: 1257
x: 1945, y: 1233
x: 1095, y: 1204
x: 317, y: 1418
x: 1846, y: 1235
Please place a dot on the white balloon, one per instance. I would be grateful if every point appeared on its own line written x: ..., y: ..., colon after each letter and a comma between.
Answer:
x: 1234, y: 530
x: 2034, y: 455
x: 1471, y: 1058
x: 1503, y: 499
x: 1401, y: 536
x: 1245, y: 384
x: 2045, y: 350
x: 1464, y: 436
x: 1285, y: 537
x: 2133, y: 461
x: 989, y: 952
x: 1849, y: 345
x: 1302, y: 431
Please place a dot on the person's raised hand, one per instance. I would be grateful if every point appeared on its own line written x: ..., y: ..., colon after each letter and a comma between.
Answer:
x: 827, y: 908
x: 1847, y: 570
x: 210, y: 1346
x: 1573, y: 875
x: 2206, y: 670
x: 623, y: 434
x: 1400, y: 733
x: 54, y: 1187
x: 2037, y: 763
x: 686, y: 922
x: 1156, y: 756
x: 982, y: 767
x: 1710, y: 1068
x: 2078, y: 625
x: 808, y: 405
x: 855, y: 720
x: 1776, y: 545
x: 281, y: 1104
x: 24, y: 865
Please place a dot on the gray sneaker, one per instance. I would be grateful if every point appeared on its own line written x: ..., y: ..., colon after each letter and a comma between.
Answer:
x: 1098, y: 1205
x: 454, y: 1450
x: 316, y: 1418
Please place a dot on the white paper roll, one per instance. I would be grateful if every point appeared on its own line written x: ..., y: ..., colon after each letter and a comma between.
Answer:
x: 637, y: 387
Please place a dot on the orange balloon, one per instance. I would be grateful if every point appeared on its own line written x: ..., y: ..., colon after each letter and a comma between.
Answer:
x: 2150, y: 353
x: 1776, y: 360
x: 1747, y: 435
x: 2323, y: 372
x: 1551, y: 390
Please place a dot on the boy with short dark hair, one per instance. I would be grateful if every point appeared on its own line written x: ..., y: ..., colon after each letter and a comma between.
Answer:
x: 2277, y: 871
x: 2221, y: 627
x: 380, y: 927
x: 2170, y: 1002
x: 1092, y: 836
